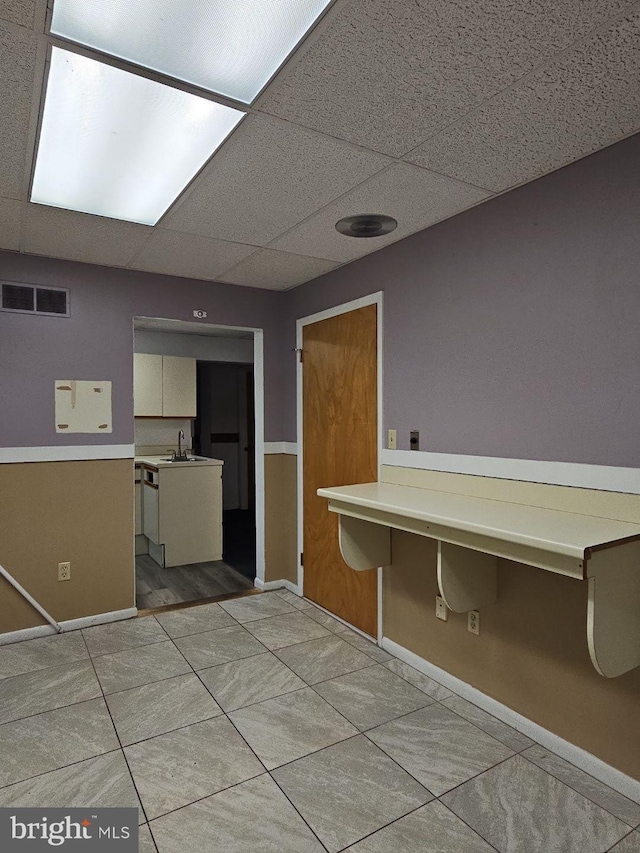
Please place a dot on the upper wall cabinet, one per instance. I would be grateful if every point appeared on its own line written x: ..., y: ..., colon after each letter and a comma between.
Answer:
x: 164, y: 386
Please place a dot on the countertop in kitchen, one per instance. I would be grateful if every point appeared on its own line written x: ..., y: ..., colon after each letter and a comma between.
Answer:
x: 163, y: 462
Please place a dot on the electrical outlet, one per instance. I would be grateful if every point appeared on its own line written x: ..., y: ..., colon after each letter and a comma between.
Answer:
x: 414, y: 440
x: 391, y: 439
x: 473, y: 621
x: 442, y: 611
x: 64, y: 571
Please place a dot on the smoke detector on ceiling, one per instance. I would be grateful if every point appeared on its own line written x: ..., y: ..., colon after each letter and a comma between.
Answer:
x: 366, y: 225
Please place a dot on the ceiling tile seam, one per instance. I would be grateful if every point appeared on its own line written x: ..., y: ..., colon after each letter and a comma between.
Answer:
x: 152, y: 232
x: 280, y: 252
x: 377, y: 174
x: 531, y: 73
x: 22, y: 235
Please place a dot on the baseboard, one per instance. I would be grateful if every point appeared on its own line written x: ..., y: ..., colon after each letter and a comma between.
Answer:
x: 281, y: 584
x: 582, y: 759
x: 68, y: 625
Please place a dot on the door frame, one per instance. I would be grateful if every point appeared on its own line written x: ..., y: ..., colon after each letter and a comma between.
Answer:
x: 258, y: 399
x: 372, y: 299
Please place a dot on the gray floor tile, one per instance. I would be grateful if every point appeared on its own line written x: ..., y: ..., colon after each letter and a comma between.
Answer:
x: 326, y: 621
x: 135, y: 667
x: 294, y: 600
x: 155, y: 709
x: 438, y: 747
x: 104, y: 782
x: 118, y: 636
x: 55, y: 739
x: 288, y: 727
x: 280, y: 631
x: 372, y: 696
x: 419, y: 680
x: 515, y: 740
x: 348, y: 791
x: 517, y: 806
x: 254, y: 607
x: 586, y: 785
x: 444, y: 831
x: 629, y: 844
x: 324, y: 658
x: 145, y: 841
x: 254, y: 816
x: 220, y: 646
x: 32, y: 655
x: 173, y: 770
x: 367, y: 646
x: 195, y: 620
x: 250, y: 680
x: 46, y: 689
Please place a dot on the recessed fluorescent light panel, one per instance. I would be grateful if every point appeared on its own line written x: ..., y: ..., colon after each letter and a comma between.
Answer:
x: 232, y: 47
x: 119, y: 145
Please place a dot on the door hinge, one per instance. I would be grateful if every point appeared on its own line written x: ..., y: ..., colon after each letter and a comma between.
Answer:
x: 300, y: 353
x: 302, y: 558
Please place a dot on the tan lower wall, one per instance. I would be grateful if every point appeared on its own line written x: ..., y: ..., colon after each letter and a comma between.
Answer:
x: 281, y: 550
x: 531, y: 654
x: 56, y: 511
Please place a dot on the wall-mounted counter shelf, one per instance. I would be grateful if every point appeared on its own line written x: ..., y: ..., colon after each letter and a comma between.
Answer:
x: 473, y: 532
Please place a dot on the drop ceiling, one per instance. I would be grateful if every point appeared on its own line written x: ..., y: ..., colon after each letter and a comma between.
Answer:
x: 418, y: 110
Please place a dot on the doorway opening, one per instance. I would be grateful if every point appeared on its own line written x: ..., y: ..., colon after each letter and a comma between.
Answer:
x: 225, y: 429
x: 198, y: 389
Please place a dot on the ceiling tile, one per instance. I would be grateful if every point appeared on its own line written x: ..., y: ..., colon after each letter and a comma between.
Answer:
x: 277, y: 270
x: 586, y: 99
x: 61, y: 233
x: 413, y: 196
x: 268, y: 176
x: 17, y: 64
x: 10, y: 217
x: 389, y: 75
x: 187, y: 255
x: 18, y: 11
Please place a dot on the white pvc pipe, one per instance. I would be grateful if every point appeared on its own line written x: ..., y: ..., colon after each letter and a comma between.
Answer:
x: 23, y: 592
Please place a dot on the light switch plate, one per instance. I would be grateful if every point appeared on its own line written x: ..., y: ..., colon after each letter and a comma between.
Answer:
x: 391, y: 439
x: 442, y: 611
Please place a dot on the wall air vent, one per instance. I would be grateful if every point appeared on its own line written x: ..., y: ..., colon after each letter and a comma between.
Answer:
x: 30, y: 299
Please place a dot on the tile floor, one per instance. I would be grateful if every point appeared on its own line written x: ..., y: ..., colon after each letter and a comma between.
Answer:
x: 262, y: 723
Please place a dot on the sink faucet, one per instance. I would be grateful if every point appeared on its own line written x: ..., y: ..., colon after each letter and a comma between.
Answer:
x: 180, y: 440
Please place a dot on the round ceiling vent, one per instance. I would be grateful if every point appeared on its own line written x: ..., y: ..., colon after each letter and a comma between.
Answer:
x: 366, y: 225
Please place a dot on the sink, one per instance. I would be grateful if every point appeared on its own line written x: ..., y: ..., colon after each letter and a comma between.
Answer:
x: 187, y: 459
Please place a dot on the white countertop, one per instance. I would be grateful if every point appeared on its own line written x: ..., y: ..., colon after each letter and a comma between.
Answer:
x: 162, y: 462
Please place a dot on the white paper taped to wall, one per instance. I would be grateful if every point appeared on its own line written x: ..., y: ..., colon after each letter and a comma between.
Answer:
x: 83, y: 406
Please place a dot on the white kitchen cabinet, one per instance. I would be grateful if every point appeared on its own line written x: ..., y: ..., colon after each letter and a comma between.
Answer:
x: 178, y: 387
x: 182, y: 512
x: 164, y: 386
x: 147, y: 385
x: 139, y: 528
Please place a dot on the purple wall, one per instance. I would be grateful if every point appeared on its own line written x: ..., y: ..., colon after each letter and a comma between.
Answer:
x: 512, y: 329
x: 96, y: 342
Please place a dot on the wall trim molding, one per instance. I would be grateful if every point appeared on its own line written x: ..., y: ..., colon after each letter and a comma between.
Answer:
x: 70, y: 453
x: 289, y: 448
x: 578, y: 474
x: 265, y: 586
x: 592, y: 765
x: 68, y: 625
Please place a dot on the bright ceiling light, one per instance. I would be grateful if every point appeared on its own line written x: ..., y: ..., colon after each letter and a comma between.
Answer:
x: 119, y: 145
x: 232, y: 47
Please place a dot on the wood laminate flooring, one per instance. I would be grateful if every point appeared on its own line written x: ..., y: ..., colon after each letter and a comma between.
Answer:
x: 156, y: 586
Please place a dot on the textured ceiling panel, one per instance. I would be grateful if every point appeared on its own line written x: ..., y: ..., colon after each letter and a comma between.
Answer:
x: 390, y: 75
x: 586, y: 99
x: 80, y: 237
x: 266, y: 178
x: 17, y: 63
x: 10, y: 216
x: 189, y: 255
x: 415, y: 197
x: 277, y: 270
x: 18, y: 11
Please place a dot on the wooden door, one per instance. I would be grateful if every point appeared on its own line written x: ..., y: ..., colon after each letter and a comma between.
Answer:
x: 340, y: 430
